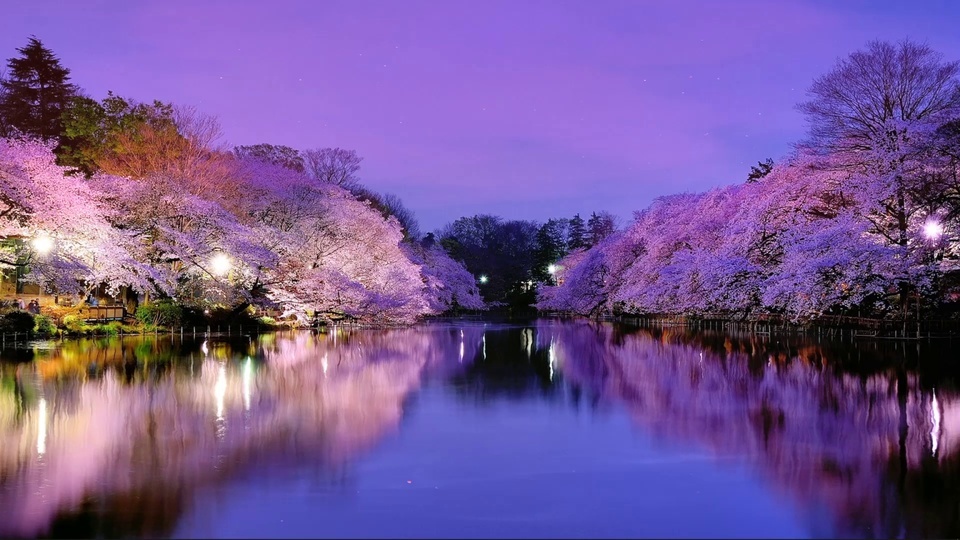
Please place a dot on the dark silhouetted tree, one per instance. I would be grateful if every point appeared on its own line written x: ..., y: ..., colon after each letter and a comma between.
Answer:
x: 551, y: 247
x: 758, y: 171
x: 333, y: 166
x: 501, y: 250
x: 35, y: 92
x: 600, y: 226
x: 576, y: 233
x: 276, y: 154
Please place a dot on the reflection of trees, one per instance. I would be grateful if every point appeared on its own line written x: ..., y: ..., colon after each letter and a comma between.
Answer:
x: 511, y: 362
x: 873, y: 446
x: 116, y: 438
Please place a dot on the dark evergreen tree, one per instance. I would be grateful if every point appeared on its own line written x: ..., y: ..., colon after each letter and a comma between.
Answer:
x: 576, y: 233
x: 600, y: 226
x: 551, y: 247
x: 761, y: 169
x: 36, y: 91
x: 503, y: 251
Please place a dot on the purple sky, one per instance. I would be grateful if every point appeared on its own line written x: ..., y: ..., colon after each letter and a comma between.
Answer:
x: 521, y: 108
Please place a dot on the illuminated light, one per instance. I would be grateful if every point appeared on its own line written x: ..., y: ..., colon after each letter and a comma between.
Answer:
x: 220, y: 264
x: 552, y: 269
x: 935, y: 430
x: 551, y: 359
x: 220, y: 390
x: 324, y: 364
x: 42, y: 427
x: 204, y: 348
x: 483, y: 279
x: 461, y: 351
x: 42, y: 244
x: 484, y: 339
x: 247, y: 382
x: 932, y: 229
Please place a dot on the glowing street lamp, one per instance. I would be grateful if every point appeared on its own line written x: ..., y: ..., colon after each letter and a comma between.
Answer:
x: 932, y: 229
x: 220, y: 264
x: 483, y: 279
x: 552, y: 269
x: 42, y: 244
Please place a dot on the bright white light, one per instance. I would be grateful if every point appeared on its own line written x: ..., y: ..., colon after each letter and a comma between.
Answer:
x: 932, y: 229
x: 42, y: 244
x: 483, y: 279
x: 220, y: 264
x: 324, y: 364
x: 935, y: 429
x: 552, y: 269
x: 42, y: 427
x: 220, y: 390
x: 247, y: 382
x: 551, y: 358
x: 204, y: 348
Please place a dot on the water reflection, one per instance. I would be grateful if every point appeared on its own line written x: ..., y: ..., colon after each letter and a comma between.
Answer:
x: 117, y: 437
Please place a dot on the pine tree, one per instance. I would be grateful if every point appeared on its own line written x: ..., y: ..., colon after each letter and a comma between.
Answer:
x: 599, y: 226
x: 576, y: 233
x: 35, y: 92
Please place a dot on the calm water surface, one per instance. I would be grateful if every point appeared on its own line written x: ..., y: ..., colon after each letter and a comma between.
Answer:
x: 547, y: 428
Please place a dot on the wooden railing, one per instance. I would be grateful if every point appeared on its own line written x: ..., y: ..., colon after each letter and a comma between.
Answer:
x: 102, y: 313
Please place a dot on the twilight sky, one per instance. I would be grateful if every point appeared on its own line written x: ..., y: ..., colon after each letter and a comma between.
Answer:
x: 521, y: 108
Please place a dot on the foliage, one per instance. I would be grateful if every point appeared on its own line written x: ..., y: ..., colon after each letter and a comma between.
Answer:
x: 44, y: 326
x: 276, y: 154
x: 114, y: 134
x: 36, y: 90
x: 159, y: 313
x: 576, y: 233
x: 758, y: 171
x: 503, y: 251
x: 17, y: 321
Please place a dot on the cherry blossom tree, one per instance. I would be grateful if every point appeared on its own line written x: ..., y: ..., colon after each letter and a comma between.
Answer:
x: 61, y: 226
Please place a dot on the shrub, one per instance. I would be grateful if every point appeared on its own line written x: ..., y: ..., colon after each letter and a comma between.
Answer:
x: 43, y: 326
x: 17, y: 321
x: 160, y: 313
x: 111, y: 328
x: 73, y: 324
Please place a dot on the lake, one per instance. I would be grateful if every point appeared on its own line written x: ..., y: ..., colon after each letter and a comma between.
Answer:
x: 545, y: 428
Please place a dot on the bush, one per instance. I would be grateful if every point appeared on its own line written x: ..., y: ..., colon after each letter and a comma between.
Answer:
x: 160, y: 313
x: 43, y: 326
x: 17, y: 321
x: 73, y: 324
x: 111, y: 328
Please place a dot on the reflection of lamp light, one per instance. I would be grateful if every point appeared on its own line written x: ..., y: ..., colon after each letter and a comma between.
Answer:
x: 220, y: 390
x: 220, y: 264
x: 42, y: 244
x: 42, y: 427
x: 247, y: 382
